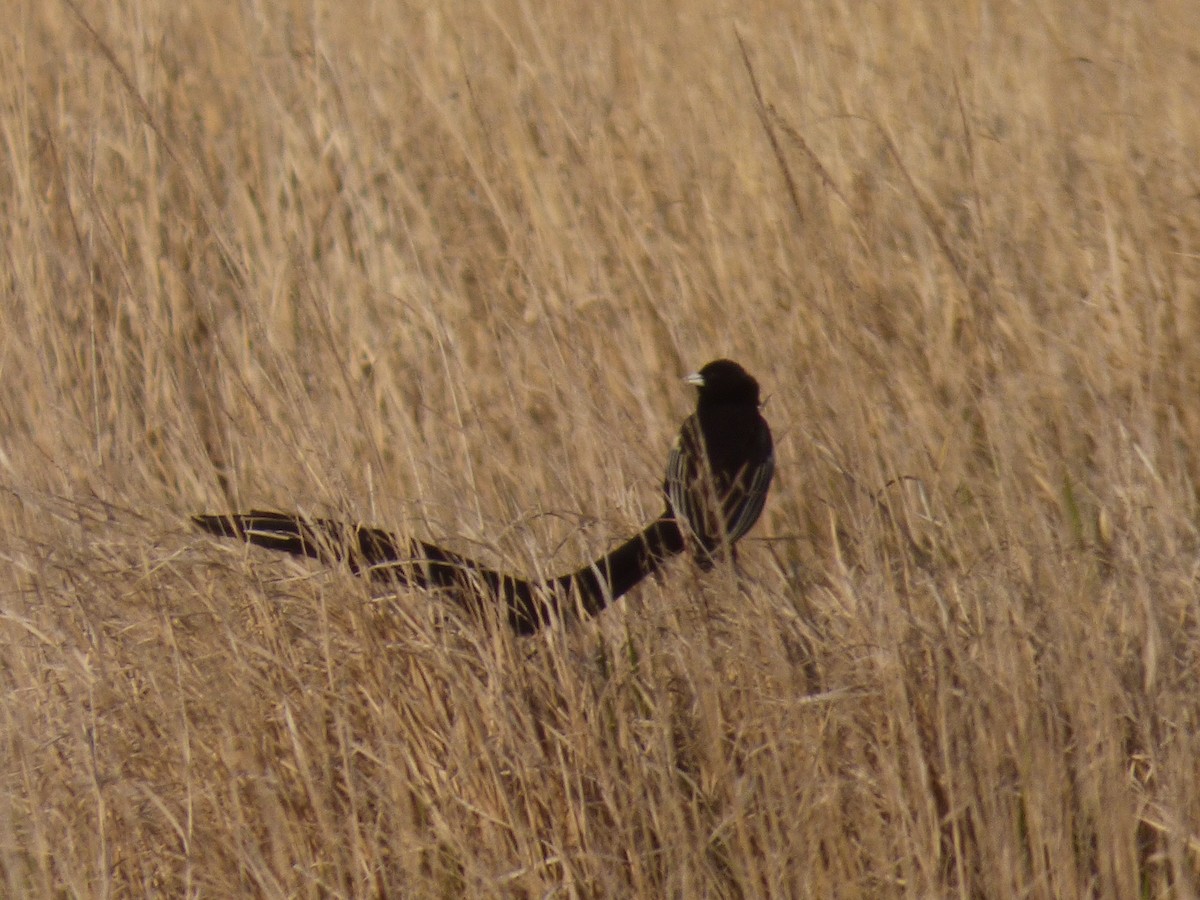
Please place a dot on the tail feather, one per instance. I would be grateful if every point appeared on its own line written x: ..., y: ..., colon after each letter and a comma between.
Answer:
x: 383, y: 557
x: 322, y: 539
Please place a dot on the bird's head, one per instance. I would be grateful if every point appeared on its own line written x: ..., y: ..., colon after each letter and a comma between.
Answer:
x: 724, y: 381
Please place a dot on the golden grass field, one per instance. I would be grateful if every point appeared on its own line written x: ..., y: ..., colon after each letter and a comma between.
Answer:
x: 439, y: 267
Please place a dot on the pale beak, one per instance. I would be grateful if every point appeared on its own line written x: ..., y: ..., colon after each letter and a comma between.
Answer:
x: 695, y: 379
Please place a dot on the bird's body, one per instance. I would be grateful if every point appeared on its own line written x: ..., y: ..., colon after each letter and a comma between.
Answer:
x: 722, y: 463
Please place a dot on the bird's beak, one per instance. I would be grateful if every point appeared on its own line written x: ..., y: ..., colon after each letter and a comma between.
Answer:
x: 695, y: 379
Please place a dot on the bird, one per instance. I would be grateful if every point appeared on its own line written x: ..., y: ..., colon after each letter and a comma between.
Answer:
x: 717, y: 479
x: 721, y: 465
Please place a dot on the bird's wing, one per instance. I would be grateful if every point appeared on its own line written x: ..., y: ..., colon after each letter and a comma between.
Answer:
x: 685, y: 493
x: 750, y: 503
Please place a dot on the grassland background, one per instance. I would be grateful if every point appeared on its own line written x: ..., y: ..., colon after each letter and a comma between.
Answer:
x: 438, y: 267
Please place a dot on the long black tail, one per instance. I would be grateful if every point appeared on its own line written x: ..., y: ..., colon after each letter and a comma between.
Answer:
x: 383, y: 557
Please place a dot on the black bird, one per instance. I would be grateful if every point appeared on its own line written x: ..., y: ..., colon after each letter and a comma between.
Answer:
x: 721, y: 465
x: 529, y: 605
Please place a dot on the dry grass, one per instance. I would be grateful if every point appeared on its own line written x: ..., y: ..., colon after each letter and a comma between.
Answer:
x: 438, y: 269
